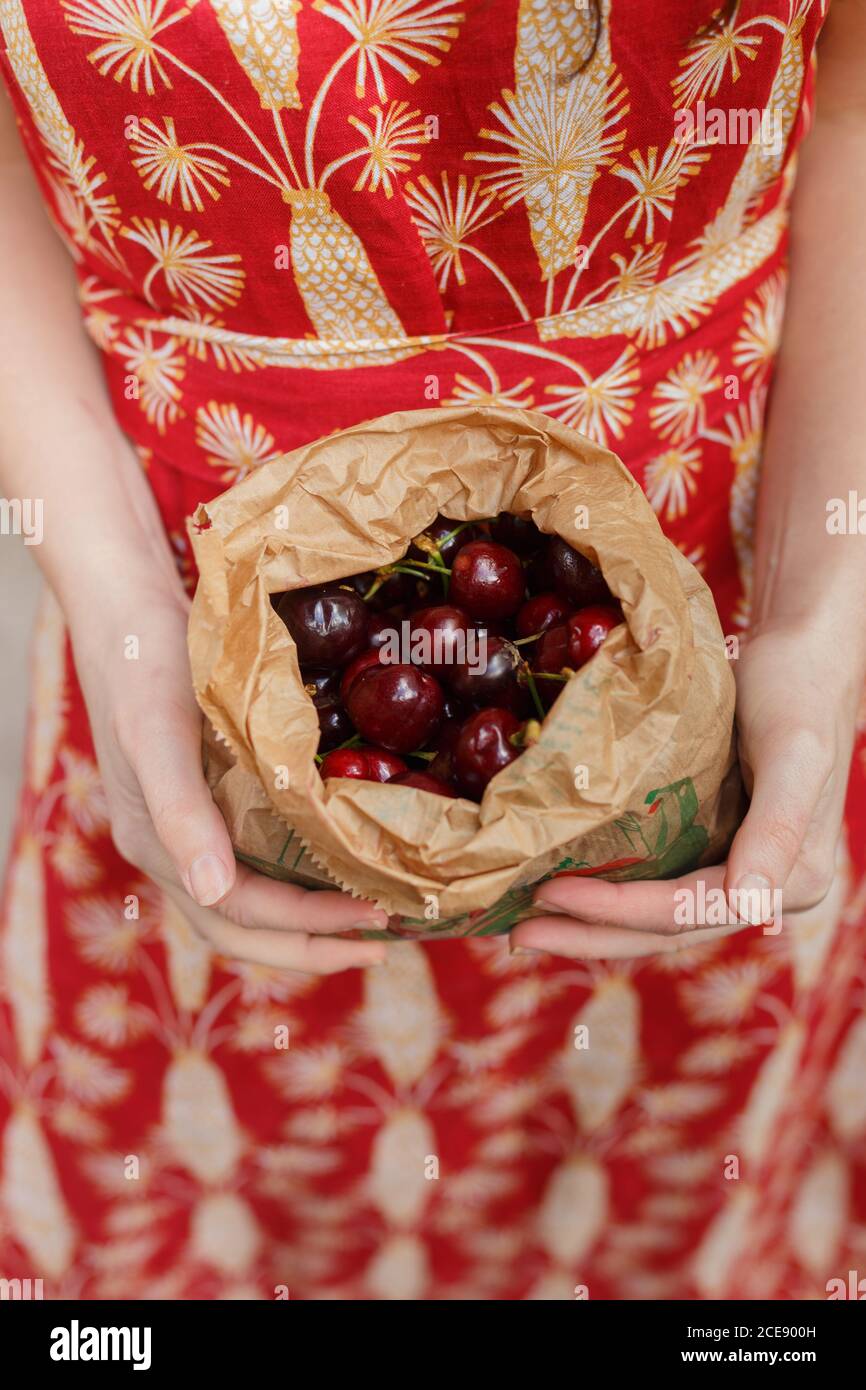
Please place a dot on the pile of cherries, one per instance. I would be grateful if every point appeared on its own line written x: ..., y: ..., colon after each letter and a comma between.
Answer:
x: 532, y: 605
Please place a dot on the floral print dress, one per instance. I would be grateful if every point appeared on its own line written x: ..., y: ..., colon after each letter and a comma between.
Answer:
x: 287, y: 216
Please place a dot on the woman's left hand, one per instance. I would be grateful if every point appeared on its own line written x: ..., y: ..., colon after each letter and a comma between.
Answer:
x: 798, y: 692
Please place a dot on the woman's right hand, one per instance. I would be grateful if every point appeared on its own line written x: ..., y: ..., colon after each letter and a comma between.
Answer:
x: 146, y: 729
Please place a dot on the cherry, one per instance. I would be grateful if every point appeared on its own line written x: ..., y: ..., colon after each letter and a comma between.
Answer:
x: 540, y: 613
x: 519, y: 533
x: 335, y: 725
x: 328, y: 628
x: 321, y: 682
x: 552, y: 651
x: 484, y: 748
x: 424, y: 782
x: 345, y: 762
x: 446, y: 741
x: 356, y: 668
x: 492, y: 678
x: 452, y: 709
x: 398, y: 707
x: 588, y: 628
x: 575, y: 577
x: 437, y: 532
x: 367, y: 764
x: 487, y: 580
x: 384, y: 765
x: 444, y: 630
x: 379, y: 626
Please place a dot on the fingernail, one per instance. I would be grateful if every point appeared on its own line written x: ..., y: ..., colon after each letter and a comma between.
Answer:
x: 526, y: 951
x: 208, y: 880
x: 546, y: 902
x: 754, y: 898
x: 378, y: 922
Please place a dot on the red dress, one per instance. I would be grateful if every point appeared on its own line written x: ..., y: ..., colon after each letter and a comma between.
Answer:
x: 288, y: 216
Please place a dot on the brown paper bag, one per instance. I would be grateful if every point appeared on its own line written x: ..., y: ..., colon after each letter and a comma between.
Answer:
x: 635, y: 772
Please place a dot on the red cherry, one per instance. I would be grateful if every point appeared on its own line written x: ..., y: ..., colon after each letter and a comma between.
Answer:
x: 398, y: 707
x: 345, y: 762
x: 573, y: 575
x: 384, y: 765
x: 487, y: 580
x: 588, y: 628
x: 356, y: 668
x: 540, y: 613
x: 424, y: 782
x: 552, y: 649
x: 441, y: 632
x: 367, y: 764
x: 484, y: 748
x: 552, y: 653
x: 328, y: 628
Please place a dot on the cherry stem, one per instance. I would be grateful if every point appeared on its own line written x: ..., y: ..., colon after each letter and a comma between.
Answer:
x: 551, y: 676
x: 374, y: 587
x: 533, y: 690
x: 522, y: 641
x: 420, y: 753
x: 425, y: 565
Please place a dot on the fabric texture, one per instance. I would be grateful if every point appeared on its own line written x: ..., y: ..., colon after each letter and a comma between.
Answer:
x: 287, y: 216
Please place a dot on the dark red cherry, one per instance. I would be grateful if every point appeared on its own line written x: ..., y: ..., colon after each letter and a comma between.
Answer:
x: 491, y: 678
x: 335, y: 726
x: 357, y: 667
x: 321, y: 682
x: 398, y: 707
x: 519, y: 533
x: 540, y: 613
x: 379, y: 629
x: 424, y: 782
x: 484, y: 748
x: 487, y: 580
x: 445, y: 743
x: 328, y: 628
x: 439, y: 635
x: 573, y: 576
x: 453, y: 709
x: 345, y: 762
x: 588, y: 628
x: 437, y: 534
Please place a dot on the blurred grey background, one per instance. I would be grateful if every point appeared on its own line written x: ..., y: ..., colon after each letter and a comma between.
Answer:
x: 19, y: 593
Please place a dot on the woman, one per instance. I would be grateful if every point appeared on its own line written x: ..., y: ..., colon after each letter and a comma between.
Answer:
x: 285, y: 218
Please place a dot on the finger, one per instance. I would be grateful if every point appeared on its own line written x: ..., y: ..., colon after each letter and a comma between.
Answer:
x: 256, y: 901
x: 660, y: 905
x: 312, y: 955
x: 790, y: 775
x: 167, y: 762
x: 562, y: 936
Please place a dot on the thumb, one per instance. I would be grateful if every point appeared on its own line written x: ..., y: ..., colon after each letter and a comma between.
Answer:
x: 187, y: 822
x: 789, y: 775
